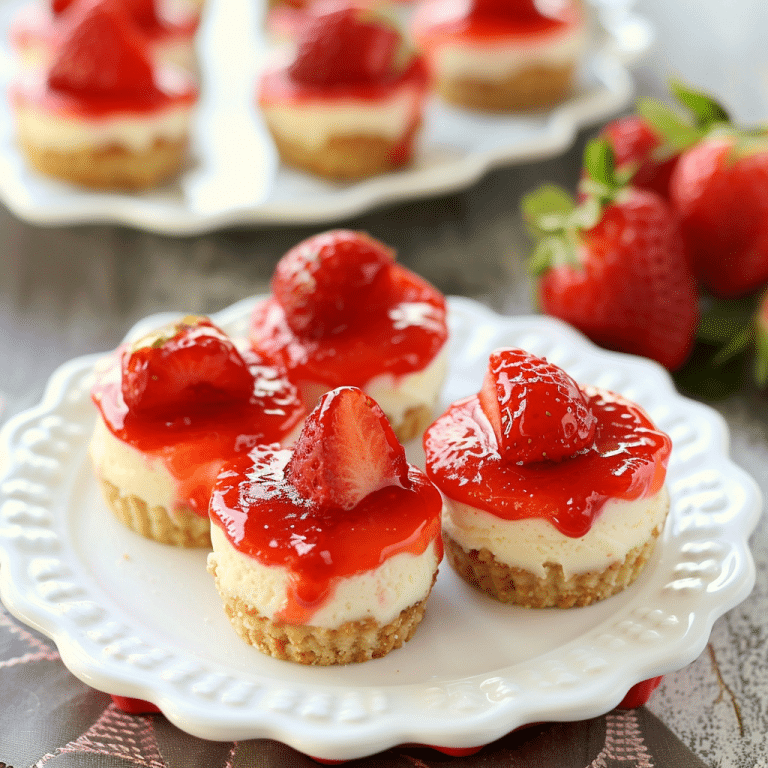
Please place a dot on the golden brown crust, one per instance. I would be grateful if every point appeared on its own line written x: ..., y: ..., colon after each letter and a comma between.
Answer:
x: 110, y: 168
x: 183, y: 529
x: 352, y: 642
x: 524, y: 588
x: 342, y: 158
x: 535, y: 87
x: 413, y: 424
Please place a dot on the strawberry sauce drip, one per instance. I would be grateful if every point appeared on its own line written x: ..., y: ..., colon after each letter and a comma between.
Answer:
x: 400, y: 331
x: 264, y: 517
x: 278, y: 87
x: 194, y: 446
x: 627, y: 461
x: 450, y: 19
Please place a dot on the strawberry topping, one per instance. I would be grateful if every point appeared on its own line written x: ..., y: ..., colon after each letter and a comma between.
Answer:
x: 347, y: 45
x: 346, y: 451
x: 626, y: 460
x: 537, y: 411
x: 324, y: 281
x: 101, y: 53
x: 184, y: 365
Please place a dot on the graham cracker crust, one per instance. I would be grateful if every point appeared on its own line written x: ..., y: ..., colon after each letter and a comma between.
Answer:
x: 351, y: 643
x: 535, y: 87
x: 524, y: 588
x: 343, y: 158
x: 110, y: 168
x: 414, y: 423
x: 183, y: 529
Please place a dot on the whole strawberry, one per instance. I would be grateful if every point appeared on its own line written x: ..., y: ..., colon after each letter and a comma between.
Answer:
x: 720, y: 192
x: 647, y: 145
x: 615, y: 266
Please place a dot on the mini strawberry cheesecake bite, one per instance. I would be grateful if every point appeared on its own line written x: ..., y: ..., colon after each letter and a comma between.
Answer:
x: 344, y: 312
x: 37, y: 30
x: 173, y: 407
x: 501, y: 55
x: 349, y: 104
x: 103, y: 115
x: 554, y: 494
x: 327, y: 554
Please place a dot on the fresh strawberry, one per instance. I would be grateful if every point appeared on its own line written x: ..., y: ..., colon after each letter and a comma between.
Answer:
x: 720, y: 192
x: 59, y: 6
x: 346, y: 450
x: 638, y: 151
x: 322, y: 282
x: 101, y: 53
x: 537, y: 411
x: 519, y: 9
x: 345, y: 46
x: 615, y: 266
x: 185, y: 365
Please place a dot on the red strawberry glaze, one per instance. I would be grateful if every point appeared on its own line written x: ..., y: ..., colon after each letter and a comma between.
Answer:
x: 627, y: 461
x: 440, y: 21
x: 172, y: 89
x: 263, y: 516
x: 401, y: 330
x: 194, y: 446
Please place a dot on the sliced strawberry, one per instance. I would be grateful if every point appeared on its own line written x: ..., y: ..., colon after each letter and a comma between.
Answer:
x: 185, y: 365
x: 537, y: 411
x: 520, y: 9
x: 101, y: 53
x: 59, y: 6
x: 346, y: 450
x: 323, y: 282
x: 347, y: 45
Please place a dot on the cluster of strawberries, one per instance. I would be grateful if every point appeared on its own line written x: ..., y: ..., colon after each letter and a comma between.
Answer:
x: 668, y: 240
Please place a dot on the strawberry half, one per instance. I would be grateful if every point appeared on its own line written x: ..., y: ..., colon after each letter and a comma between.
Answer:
x: 325, y: 280
x: 537, y: 411
x: 101, y: 53
x: 615, y: 266
x: 345, y: 46
x: 346, y: 451
x: 181, y: 367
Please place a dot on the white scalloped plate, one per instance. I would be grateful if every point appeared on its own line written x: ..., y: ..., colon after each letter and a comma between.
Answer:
x: 235, y: 178
x: 139, y: 619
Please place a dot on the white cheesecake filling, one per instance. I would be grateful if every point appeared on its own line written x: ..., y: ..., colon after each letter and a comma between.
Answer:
x: 533, y: 542
x: 313, y: 123
x: 380, y: 594
x: 461, y: 59
x: 395, y: 395
x: 133, y: 472
x: 138, y: 474
x: 62, y: 133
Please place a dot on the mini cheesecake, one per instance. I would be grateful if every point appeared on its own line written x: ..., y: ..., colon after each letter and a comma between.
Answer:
x: 348, y: 103
x: 501, y: 55
x: 327, y: 553
x: 103, y: 115
x: 554, y: 494
x: 343, y: 311
x: 37, y: 30
x: 173, y: 407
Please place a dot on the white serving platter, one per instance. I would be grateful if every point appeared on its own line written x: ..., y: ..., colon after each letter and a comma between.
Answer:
x: 235, y: 179
x: 139, y: 619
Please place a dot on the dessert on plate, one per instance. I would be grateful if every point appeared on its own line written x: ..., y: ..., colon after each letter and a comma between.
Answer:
x: 347, y: 103
x: 554, y: 494
x: 37, y: 29
x: 501, y: 55
x: 343, y: 311
x: 173, y: 407
x: 327, y: 553
x: 103, y: 114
